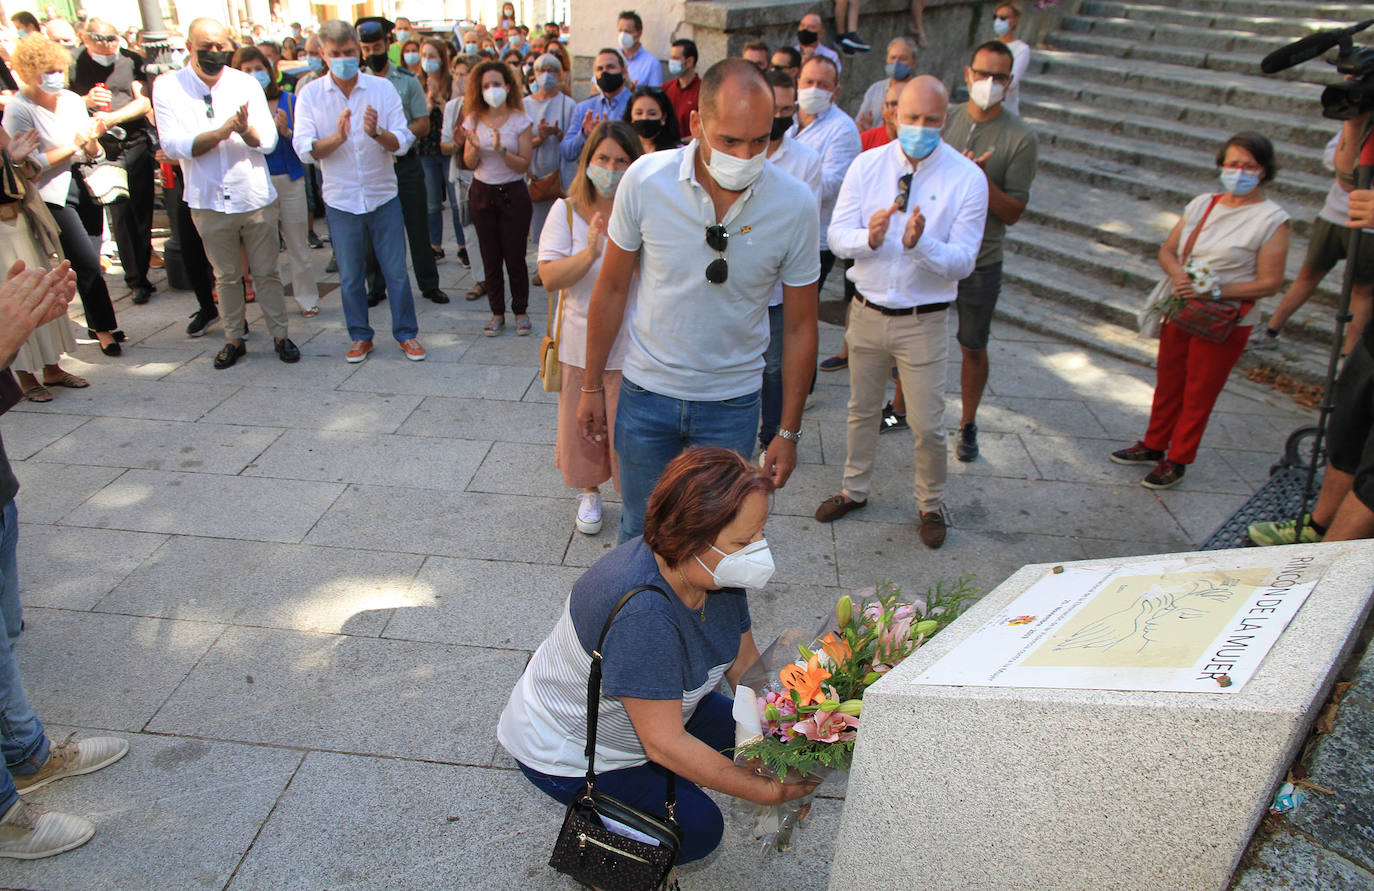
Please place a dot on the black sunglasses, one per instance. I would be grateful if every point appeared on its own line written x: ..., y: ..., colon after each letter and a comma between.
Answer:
x: 717, y: 239
x: 903, y: 192
x: 209, y: 106
x: 104, y: 38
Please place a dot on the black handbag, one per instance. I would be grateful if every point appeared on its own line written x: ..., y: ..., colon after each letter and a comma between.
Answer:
x: 594, y: 855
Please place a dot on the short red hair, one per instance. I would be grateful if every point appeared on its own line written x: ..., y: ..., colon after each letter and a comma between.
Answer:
x: 700, y: 492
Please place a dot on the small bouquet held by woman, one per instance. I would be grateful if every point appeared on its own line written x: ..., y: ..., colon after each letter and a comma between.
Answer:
x: 799, y: 708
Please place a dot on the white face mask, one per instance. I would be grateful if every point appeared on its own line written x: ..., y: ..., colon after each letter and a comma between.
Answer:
x: 813, y: 100
x: 53, y: 82
x: 749, y: 567
x: 731, y: 173
x: 102, y: 59
x: 495, y: 96
x: 986, y: 93
x: 627, y: 40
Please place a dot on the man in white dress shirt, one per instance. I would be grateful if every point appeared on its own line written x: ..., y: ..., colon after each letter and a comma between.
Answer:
x: 214, y: 120
x: 353, y: 126
x: 911, y: 214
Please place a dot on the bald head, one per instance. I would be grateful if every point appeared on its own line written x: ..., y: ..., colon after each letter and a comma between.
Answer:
x: 733, y: 84
x: 812, y: 22
x: 205, y: 29
x: 924, y: 102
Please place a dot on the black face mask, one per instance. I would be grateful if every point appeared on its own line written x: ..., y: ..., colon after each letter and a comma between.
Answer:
x: 213, y: 62
x: 806, y: 38
x: 377, y: 62
x: 648, y: 128
x: 780, y: 127
x: 608, y: 82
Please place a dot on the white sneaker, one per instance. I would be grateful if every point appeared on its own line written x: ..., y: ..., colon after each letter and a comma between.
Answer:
x: 31, y: 833
x: 1261, y: 342
x: 589, y: 513
x: 73, y: 758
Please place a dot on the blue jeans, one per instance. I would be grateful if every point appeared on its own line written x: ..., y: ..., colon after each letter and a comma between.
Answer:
x: 651, y: 430
x: 772, y: 379
x: 437, y: 188
x: 646, y: 786
x: 22, y: 739
x: 385, y: 229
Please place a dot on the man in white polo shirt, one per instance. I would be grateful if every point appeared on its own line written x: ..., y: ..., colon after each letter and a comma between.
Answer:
x: 911, y: 215
x: 353, y: 126
x: 713, y: 229
x: 214, y: 120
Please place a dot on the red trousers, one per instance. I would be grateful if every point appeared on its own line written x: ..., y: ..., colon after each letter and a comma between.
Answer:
x: 1188, y: 380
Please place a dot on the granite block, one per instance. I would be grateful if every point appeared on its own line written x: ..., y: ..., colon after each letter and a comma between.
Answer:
x: 262, y: 368
x: 161, y: 445
x: 382, y: 459
x: 1292, y: 860
x: 98, y: 670
x: 204, y: 504
x: 48, y: 492
x: 128, y: 396
x: 1072, y: 509
x: 25, y: 432
x: 507, y: 349
x: 211, y: 797
x: 392, y: 698
x: 1150, y: 790
x: 384, y: 375
x: 584, y: 550
x: 72, y: 568
x: 475, y: 418
x: 269, y: 585
x: 315, y: 410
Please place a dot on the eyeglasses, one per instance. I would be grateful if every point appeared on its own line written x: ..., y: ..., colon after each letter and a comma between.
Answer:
x: 209, y: 106
x: 104, y: 38
x: 1248, y: 168
x: 717, y: 239
x: 903, y: 192
x: 1003, y: 79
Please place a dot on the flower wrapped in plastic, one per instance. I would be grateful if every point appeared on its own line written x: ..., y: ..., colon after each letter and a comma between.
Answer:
x: 798, y: 709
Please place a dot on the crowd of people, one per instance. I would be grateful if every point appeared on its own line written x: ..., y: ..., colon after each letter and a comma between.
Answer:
x: 686, y: 216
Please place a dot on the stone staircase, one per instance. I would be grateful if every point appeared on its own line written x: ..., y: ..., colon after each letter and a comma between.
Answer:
x: 1130, y: 102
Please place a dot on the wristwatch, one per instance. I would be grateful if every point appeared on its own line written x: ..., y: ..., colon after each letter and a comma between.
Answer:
x: 1216, y: 292
x: 789, y: 435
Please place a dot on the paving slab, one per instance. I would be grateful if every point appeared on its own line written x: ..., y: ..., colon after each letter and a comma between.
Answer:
x: 161, y: 445
x: 173, y: 813
x: 381, y: 459
x: 270, y: 585
x: 466, y: 418
x: 483, y: 603
x: 452, y: 524
x: 207, y: 504
x: 130, y: 397
x: 1069, y: 509
x: 1291, y: 860
x: 315, y: 410
x: 69, y: 567
x: 36, y: 431
x: 516, y: 468
x: 390, y: 698
x: 107, y: 671
x: 382, y: 375
x: 262, y: 368
x: 48, y: 492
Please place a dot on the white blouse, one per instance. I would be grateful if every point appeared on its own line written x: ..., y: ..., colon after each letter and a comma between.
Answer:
x: 1231, y: 239
x: 556, y: 243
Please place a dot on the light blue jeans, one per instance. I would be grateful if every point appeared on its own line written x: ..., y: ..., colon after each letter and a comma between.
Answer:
x: 21, y: 733
x: 385, y: 229
x: 651, y: 430
x: 438, y: 188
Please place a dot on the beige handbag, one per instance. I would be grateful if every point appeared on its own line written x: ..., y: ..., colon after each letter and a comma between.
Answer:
x: 550, y: 371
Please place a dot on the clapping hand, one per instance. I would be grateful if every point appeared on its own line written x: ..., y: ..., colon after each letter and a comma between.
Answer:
x: 496, y: 140
x: 547, y: 129
x: 589, y: 122
x: 280, y: 119
x: 239, y: 122
x: 596, y: 234
x: 981, y: 159
x: 915, y: 227
x: 23, y: 145
x: 877, y: 226
x: 344, y: 117
x: 370, y: 121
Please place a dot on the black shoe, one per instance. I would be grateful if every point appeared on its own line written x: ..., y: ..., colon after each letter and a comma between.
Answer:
x: 314, y: 240
x: 111, y: 349
x: 892, y: 421
x: 462, y: 256
x: 1136, y: 454
x: 142, y: 295
x: 967, y: 448
x: 375, y: 299
x: 435, y: 295
x: 119, y: 336
x: 852, y: 43
x: 332, y: 265
x: 834, y: 363
x: 1165, y: 475
x: 200, y: 320
x: 230, y: 354
x: 288, y: 351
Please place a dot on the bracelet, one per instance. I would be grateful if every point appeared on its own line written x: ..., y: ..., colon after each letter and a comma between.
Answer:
x: 594, y: 390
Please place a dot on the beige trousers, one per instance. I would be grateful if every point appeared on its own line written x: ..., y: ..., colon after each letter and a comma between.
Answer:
x: 256, y: 231
x: 295, y: 223
x: 919, y: 346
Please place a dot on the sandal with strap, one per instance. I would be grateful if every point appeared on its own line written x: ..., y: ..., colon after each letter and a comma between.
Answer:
x: 478, y: 291
x: 38, y: 393
x: 70, y: 381
x: 494, y: 327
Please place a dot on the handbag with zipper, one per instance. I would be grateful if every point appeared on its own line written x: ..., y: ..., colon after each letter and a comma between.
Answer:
x: 1207, y: 318
x: 589, y: 851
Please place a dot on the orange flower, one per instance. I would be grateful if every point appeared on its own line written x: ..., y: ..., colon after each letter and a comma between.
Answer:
x: 838, y: 650
x: 805, y: 681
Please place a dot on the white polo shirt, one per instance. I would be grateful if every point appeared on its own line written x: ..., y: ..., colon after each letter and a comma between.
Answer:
x: 952, y: 193
x: 358, y: 176
x: 232, y: 177
x: 690, y: 339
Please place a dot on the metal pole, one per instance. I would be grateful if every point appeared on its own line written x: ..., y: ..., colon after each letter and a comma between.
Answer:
x: 156, y: 50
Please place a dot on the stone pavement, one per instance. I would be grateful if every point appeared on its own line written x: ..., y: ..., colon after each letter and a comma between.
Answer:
x: 304, y: 592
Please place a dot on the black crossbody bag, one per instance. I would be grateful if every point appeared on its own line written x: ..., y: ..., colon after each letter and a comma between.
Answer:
x: 589, y: 852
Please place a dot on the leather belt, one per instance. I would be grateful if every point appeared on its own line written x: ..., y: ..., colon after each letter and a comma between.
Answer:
x: 905, y: 311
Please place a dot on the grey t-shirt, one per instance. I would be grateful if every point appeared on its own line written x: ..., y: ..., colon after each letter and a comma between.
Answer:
x: 1011, y: 166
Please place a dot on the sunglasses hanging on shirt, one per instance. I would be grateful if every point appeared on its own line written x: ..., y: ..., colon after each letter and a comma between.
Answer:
x: 717, y: 239
x: 903, y: 192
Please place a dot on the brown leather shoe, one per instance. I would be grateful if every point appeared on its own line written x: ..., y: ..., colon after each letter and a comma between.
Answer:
x: 836, y: 506
x: 932, y: 528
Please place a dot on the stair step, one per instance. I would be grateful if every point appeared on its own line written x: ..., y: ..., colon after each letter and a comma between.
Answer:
x: 1249, y: 91
x: 1338, y: 12
x: 1194, y: 58
x: 1214, y: 39
x: 1309, y: 130
x: 1293, y: 21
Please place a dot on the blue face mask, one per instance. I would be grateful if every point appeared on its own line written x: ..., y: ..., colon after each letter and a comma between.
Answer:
x: 1000, y: 26
x: 411, y: 58
x: 1239, y: 182
x: 918, y: 142
x: 897, y: 70
x: 674, y: 67
x: 470, y: 48
x: 345, y: 68
x: 262, y: 77
x: 429, y: 66
x: 314, y: 63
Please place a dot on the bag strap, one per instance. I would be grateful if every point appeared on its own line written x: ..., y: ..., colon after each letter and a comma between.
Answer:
x: 594, y: 699
x: 1192, y: 239
x: 549, y: 331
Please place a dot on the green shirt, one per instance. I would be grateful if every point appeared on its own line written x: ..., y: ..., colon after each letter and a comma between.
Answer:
x: 393, y: 53
x: 1011, y: 166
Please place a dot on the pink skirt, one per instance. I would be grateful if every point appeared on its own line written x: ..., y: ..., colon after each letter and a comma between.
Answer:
x: 584, y: 464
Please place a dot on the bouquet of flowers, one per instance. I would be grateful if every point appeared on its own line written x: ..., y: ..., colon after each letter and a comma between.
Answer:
x: 798, y: 709
x: 1203, y: 279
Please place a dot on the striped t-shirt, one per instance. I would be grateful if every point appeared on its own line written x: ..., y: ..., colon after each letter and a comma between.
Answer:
x: 657, y: 649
